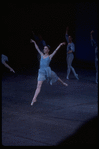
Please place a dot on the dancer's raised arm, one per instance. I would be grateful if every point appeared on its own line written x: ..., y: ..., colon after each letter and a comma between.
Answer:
x: 91, y: 34
x: 93, y: 42
x: 66, y: 35
x: 36, y: 46
x: 57, y: 49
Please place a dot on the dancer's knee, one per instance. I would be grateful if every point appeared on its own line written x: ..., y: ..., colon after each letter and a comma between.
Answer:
x: 72, y: 68
x: 39, y: 86
x: 69, y: 67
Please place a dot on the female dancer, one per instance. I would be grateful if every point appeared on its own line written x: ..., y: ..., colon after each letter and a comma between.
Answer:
x: 45, y: 72
x: 70, y: 56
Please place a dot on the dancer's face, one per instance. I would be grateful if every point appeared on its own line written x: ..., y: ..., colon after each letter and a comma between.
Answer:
x: 46, y: 50
x: 70, y: 39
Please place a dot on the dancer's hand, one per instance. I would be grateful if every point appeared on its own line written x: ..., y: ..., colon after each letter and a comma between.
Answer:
x: 12, y: 70
x: 63, y: 43
x: 32, y: 41
x: 91, y: 32
x: 70, y: 51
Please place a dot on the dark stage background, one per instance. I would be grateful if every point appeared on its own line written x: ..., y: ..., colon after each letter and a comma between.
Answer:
x: 50, y: 20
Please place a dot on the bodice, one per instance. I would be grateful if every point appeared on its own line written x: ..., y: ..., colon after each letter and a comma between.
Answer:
x: 44, y: 62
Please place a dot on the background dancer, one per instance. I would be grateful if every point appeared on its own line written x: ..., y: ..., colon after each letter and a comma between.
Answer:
x: 96, y: 54
x: 45, y: 72
x: 70, y: 56
x: 4, y: 58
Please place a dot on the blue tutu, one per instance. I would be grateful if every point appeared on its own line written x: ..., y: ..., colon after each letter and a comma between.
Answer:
x: 45, y: 72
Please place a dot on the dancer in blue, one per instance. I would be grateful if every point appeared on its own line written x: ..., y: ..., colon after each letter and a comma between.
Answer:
x: 70, y: 56
x: 45, y: 72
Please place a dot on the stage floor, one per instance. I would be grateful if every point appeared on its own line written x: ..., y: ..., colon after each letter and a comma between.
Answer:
x: 58, y: 113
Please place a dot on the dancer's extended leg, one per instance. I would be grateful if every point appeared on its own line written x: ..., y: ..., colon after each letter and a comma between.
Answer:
x: 74, y: 72
x: 38, y: 89
x: 62, y: 82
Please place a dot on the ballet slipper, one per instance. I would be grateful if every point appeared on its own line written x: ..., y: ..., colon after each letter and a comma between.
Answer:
x: 34, y: 100
x: 77, y: 77
x: 65, y: 84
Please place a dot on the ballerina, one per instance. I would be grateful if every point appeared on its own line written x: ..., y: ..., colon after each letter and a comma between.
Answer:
x: 45, y: 72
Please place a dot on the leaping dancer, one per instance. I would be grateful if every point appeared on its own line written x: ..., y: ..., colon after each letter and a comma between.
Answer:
x: 45, y: 72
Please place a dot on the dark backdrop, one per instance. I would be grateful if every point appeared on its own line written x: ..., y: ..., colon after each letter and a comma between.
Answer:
x: 50, y: 20
x: 86, y: 20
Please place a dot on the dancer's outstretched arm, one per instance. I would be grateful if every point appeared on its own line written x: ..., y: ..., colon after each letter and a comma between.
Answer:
x: 56, y: 50
x: 36, y: 46
x: 6, y: 65
x: 66, y: 35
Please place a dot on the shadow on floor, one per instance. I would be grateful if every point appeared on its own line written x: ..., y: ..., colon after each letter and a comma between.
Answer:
x: 86, y: 134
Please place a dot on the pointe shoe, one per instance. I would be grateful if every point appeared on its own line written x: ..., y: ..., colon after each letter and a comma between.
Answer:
x: 33, y: 102
x: 65, y: 84
x: 77, y: 77
x: 67, y: 78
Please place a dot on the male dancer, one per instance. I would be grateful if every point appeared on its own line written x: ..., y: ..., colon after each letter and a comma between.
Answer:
x: 70, y: 56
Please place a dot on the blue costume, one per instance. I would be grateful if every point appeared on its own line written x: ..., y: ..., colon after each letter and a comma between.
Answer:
x: 96, y: 57
x: 70, y: 58
x: 45, y: 72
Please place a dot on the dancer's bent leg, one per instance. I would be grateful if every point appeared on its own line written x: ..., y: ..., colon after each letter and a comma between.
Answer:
x: 74, y: 72
x: 69, y: 63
